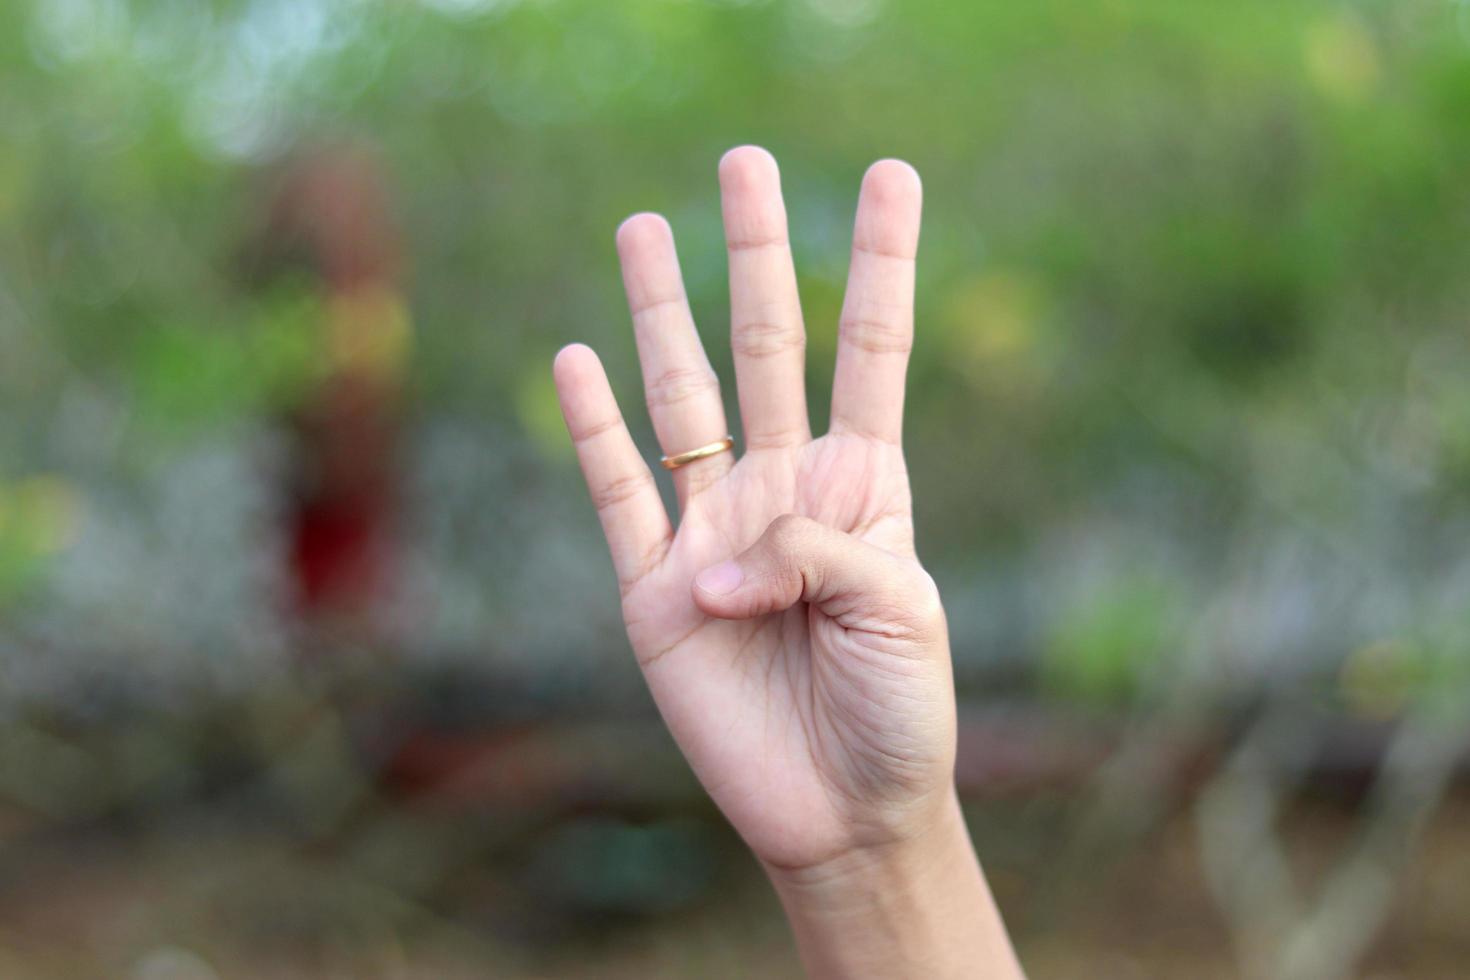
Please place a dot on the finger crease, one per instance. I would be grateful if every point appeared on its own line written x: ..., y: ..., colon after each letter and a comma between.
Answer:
x: 750, y: 244
x: 764, y: 338
x: 621, y: 490
x: 841, y: 426
x: 875, y: 336
x: 700, y: 475
x: 596, y: 429
x: 647, y: 562
x: 678, y: 384
x: 657, y: 304
x: 784, y: 439
x: 881, y: 253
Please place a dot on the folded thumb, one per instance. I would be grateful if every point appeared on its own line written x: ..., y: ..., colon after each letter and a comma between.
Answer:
x: 800, y: 560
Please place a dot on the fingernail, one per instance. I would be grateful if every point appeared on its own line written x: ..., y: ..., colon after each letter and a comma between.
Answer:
x: 721, y: 579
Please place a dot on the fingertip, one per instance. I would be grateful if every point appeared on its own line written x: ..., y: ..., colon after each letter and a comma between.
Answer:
x: 643, y: 230
x: 574, y: 361
x: 716, y: 592
x: 889, y: 210
x: 710, y: 605
x: 893, y: 181
x: 582, y: 388
x: 748, y: 166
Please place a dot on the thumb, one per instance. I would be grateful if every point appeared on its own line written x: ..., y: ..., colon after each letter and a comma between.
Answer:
x: 800, y: 560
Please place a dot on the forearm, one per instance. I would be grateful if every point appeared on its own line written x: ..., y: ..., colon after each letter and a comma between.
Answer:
x: 920, y: 909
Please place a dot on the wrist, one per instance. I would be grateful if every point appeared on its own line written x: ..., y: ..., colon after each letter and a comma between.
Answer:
x: 918, y: 906
x: 903, y: 852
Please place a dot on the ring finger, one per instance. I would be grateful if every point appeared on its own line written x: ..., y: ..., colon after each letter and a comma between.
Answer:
x: 681, y: 388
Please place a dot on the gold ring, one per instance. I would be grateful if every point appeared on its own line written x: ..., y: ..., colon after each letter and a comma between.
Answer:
x: 684, y: 459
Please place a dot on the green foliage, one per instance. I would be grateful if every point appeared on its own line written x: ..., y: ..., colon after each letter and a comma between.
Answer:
x: 1212, y: 250
x: 38, y: 518
x: 1107, y: 649
x: 192, y: 378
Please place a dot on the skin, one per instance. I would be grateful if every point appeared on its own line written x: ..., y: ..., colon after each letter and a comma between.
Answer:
x: 792, y: 641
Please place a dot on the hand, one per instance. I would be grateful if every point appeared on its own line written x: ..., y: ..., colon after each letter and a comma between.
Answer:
x: 808, y: 680
x: 792, y: 641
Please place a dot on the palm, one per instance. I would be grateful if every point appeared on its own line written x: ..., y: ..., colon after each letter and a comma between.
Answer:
x: 774, y: 708
x: 751, y: 683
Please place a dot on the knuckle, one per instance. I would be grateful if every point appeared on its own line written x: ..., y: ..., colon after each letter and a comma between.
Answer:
x: 906, y: 607
x: 678, y: 384
x: 876, y: 335
x: 759, y: 339
x: 788, y: 531
x: 925, y: 603
x: 621, y: 489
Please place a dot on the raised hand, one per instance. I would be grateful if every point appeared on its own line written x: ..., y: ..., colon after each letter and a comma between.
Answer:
x: 792, y: 642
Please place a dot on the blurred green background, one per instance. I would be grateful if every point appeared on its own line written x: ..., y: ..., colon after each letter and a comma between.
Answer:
x: 1188, y: 425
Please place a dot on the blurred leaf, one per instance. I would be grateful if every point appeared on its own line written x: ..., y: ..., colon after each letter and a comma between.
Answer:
x: 1103, y: 649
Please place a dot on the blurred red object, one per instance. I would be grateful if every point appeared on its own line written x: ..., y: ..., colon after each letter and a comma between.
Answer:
x: 330, y: 217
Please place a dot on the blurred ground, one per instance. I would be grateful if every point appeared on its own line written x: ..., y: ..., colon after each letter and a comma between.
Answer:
x: 197, y: 900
